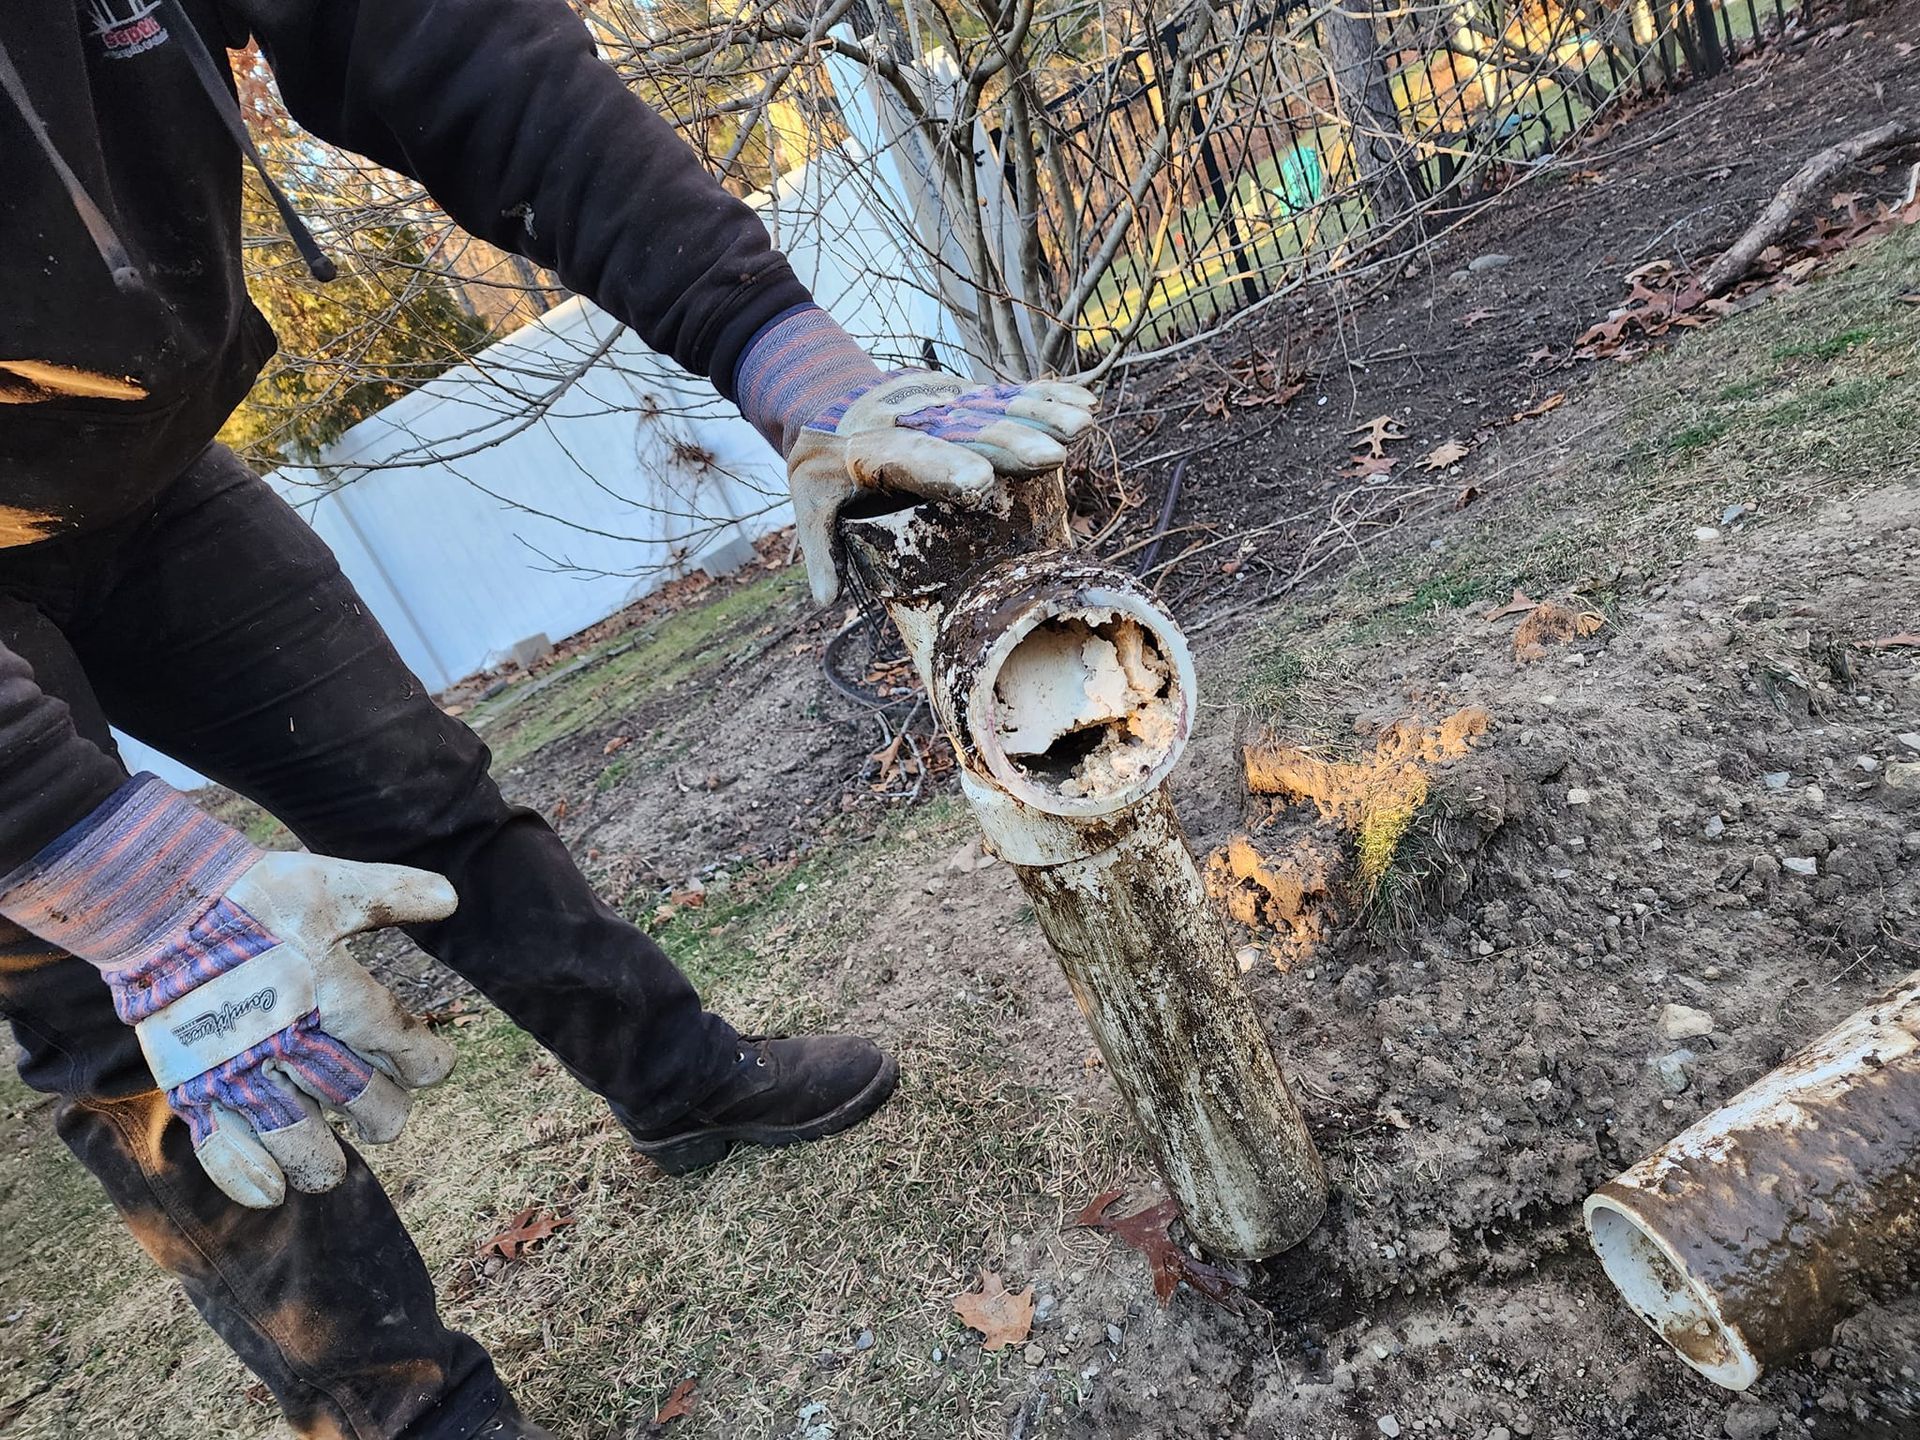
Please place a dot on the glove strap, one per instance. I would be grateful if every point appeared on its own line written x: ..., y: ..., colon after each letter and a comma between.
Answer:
x: 129, y: 879
x: 798, y: 366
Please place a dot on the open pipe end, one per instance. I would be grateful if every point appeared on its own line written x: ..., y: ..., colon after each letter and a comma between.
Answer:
x: 1084, y: 703
x: 1653, y: 1280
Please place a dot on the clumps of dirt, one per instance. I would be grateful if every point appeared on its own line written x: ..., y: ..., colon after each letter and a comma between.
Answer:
x: 1320, y: 847
x: 1703, y: 804
x: 1293, y: 895
x: 1549, y: 626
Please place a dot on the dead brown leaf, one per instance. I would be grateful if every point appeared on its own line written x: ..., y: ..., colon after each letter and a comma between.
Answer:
x: 1280, y: 396
x: 1368, y: 467
x: 1520, y: 604
x: 679, y: 1401
x: 1474, y: 317
x: 1004, y: 1317
x: 1146, y: 1231
x: 527, y: 1228
x: 1447, y: 452
x: 1889, y: 642
x: 1377, y: 433
x: 1468, y: 494
x: 1540, y: 356
x: 618, y: 742
x: 1534, y: 412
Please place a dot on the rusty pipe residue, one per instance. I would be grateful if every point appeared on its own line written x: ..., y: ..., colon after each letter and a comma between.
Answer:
x: 1068, y: 694
x: 1744, y: 1239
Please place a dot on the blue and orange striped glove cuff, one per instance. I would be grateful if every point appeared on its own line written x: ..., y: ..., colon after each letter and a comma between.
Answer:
x: 798, y: 366
x: 136, y: 889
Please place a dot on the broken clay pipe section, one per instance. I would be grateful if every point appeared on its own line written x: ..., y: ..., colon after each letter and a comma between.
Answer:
x: 1068, y: 694
x: 1747, y: 1237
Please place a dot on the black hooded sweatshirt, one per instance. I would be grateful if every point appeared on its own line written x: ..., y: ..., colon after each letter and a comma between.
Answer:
x: 120, y: 180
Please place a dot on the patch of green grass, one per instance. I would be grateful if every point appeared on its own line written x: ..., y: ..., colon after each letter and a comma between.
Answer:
x: 625, y: 672
x: 616, y: 770
x: 1699, y: 435
x: 1803, y: 412
x: 1829, y: 348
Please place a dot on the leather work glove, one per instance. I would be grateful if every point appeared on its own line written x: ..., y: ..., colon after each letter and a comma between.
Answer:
x: 229, y: 963
x: 845, y: 426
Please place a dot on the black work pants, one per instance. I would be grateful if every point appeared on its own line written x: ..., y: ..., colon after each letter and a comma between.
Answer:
x: 216, y: 626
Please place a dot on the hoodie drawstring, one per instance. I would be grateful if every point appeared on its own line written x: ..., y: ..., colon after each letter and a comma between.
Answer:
x: 113, y: 251
x: 228, y: 109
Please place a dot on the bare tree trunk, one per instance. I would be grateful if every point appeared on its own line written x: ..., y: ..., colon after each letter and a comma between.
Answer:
x: 1381, y: 155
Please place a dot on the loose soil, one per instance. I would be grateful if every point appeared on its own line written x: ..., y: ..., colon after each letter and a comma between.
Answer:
x: 1475, y: 1049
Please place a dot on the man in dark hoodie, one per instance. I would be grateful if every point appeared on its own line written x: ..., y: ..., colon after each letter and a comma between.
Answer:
x: 188, y: 998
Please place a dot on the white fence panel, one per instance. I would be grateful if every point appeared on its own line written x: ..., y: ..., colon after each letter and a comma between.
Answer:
x: 567, y: 470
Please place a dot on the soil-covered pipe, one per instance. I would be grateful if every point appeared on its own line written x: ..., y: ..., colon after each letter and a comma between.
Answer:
x: 1068, y: 694
x: 1748, y: 1236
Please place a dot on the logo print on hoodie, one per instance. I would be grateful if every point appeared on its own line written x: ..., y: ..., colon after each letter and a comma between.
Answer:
x: 126, y: 28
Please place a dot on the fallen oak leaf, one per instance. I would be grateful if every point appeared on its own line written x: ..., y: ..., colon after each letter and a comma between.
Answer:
x: 1447, y: 452
x: 1520, y: 604
x: 1889, y: 642
x: 1146, y: 1231
x: 1377, y: 432
x: 679, y: 1403
x: 1474, y: 317
x: 525, y: 1230
x: 1004, y: 1317
x: 1468, y: 494
x: 1369, y: 467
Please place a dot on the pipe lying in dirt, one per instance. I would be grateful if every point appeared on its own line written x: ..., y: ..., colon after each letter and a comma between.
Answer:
x: 1068, y: 694
x: 1747, y: 1237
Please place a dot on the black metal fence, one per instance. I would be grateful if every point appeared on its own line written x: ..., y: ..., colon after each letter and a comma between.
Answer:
x: 1313, y: 130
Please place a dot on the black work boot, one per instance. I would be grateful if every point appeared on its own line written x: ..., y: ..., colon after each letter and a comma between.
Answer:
x: 781, y: 1092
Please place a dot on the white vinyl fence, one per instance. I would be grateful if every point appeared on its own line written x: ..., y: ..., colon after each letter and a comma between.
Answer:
x: 567, y: 471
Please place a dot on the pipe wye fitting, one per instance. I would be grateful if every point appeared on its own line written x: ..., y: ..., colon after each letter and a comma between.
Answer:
x: 1748, y: 1236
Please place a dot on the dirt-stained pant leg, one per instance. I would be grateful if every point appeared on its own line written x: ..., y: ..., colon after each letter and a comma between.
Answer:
x: 324, y: 1298
x: 225, y: 634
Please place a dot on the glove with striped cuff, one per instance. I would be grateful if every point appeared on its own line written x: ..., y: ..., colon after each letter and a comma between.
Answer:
x: 229, y: 963
x: 845, y: 426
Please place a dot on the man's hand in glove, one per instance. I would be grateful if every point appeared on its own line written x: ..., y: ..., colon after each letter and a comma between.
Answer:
x: 845, y: 426
x: 229, y: 963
